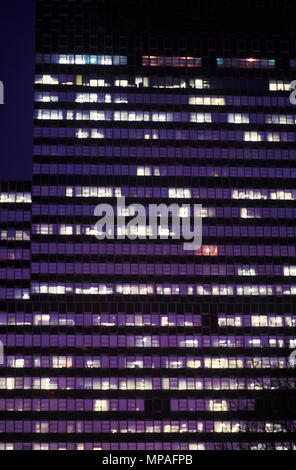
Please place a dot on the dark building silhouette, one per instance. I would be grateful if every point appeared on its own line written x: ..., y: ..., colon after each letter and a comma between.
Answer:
x: 143, y: 344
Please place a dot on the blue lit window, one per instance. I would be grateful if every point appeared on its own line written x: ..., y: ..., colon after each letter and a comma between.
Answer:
x: 248, y: 63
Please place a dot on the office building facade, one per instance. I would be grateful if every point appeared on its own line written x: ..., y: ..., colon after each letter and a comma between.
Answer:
x: 135, y: 342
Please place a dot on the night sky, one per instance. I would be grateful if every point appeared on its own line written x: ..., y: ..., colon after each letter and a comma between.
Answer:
x: 17, y: 23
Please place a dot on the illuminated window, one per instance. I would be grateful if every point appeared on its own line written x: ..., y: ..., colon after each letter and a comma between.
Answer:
x: 279, y: 85
x: 250, y: 63
x: 171, y: 61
